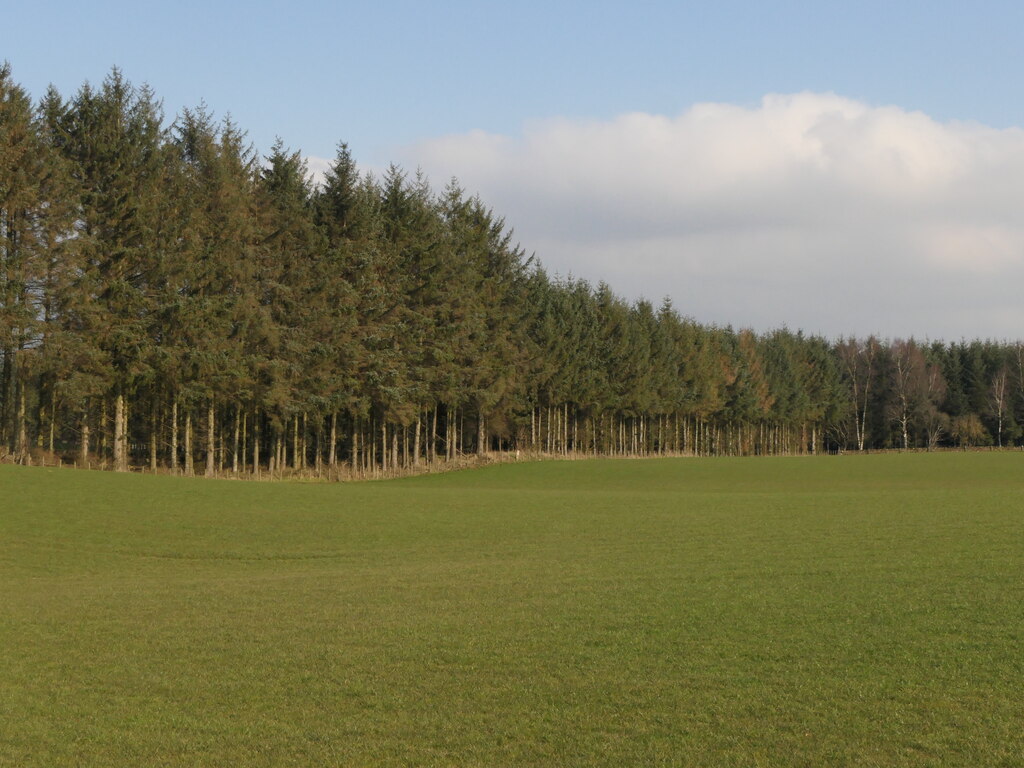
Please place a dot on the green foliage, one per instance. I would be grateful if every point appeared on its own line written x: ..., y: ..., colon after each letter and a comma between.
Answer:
x: 171, y: 269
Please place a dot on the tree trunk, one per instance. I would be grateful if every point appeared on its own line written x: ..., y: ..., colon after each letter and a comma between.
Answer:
x: 120, y: 461
x: 103, y: 452
x: 6, y: 393
x: 332, y: 451
x: 304, y: 443
x: 295, y: 443
x: 432, y: 447
x: 188, y: 442
x: 211, y: 441
x: 256, y: 442
x: 416, y: 442
x: 281, y: 439
x: 53, y: 418
x: 22, y: 449
x: 355, y: 446
x: 430, y: 439
x: 153, y: 421
x: 237, y: 439
x: 318, y: 449
x: 174, y: 436
x: 448, y: 432
x: 84, y: 450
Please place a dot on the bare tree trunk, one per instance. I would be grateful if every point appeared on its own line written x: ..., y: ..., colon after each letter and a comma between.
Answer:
x: 22, y: 444
x: 432, y: 447
x: 318, y: 461
x: 282, y: 449
x: 554, y: 429
x: 188, y: 442
x: 565, y: 429
x: 430, y: 434
x: 211, y: 441
x: 449, y: 451
x: 174, y: 435
x: 103, y: 433
x: 120, y: 462
x: 245, y: 437
x: 332, y: 451
x: 416, y: 442
x: 153, y: 421
x: 481, y: 434
x: 237, y: 438
x: 355, y: 446
x: 6, y: 393
x: 295, y: 443
x: 256, y: 442
x: 53, y: 418
x: 84, y: 454
x: 304, y: 442
x: 449, y: 435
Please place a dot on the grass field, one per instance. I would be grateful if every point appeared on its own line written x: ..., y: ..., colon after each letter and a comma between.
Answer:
x: 710, y: 612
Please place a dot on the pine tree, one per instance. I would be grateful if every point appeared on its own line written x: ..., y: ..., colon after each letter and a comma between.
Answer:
x: 222, y: 326
x: 23, y: 255
x: 112, y: 138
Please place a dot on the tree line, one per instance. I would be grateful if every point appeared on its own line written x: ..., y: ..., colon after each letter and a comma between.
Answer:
x: 170, y: 299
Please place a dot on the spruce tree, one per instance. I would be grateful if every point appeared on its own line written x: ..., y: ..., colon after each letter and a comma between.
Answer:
x: 23, y: 257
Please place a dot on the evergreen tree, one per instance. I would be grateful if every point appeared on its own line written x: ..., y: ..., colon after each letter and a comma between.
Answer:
x: 112, y: 138
x: 23, y: 255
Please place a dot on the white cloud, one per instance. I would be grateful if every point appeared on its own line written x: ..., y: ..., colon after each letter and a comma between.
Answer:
x: 809, y: 210
x: 317, y: 167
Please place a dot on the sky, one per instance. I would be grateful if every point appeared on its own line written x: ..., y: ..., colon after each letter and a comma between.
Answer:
x: 833, y: 167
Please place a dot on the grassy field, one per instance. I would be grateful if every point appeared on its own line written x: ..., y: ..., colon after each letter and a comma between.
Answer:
x: 716, y: 612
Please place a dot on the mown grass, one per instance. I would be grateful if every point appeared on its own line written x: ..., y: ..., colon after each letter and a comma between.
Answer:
x: 723, y: 612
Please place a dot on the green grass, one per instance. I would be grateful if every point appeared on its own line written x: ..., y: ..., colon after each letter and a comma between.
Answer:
x: 722, y: 612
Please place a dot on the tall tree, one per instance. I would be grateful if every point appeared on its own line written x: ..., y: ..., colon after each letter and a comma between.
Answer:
x: 24, y: 168
x: 113, y: 139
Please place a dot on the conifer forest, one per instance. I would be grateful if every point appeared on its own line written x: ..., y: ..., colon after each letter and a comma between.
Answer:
x: 173, y: 300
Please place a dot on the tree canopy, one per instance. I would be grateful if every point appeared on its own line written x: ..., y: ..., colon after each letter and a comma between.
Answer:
x: 170, y: 296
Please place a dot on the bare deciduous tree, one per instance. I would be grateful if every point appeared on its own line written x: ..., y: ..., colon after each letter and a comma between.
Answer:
x: 998, y: 397
x: 858, y: 362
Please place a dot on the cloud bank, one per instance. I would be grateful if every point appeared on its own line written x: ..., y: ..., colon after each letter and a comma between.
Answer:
x: 809, y: 210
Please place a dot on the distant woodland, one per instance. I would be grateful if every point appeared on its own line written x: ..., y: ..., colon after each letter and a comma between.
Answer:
x: 171, y: 299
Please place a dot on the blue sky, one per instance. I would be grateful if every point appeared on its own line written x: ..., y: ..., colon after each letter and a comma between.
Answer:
x: 485, y: 90
x: 389, y: 73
